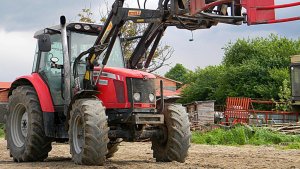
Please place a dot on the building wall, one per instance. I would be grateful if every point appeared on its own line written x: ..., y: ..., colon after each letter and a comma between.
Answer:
x: 206, y: 112
x: 168, y: 84
x: 201, y: 112
x: 204, y: 107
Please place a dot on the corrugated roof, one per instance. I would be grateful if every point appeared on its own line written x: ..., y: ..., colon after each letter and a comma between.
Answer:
x: 180, y: 89
x: 198, y: 102
x: 5, y: 85
x: 168, y: 93
x: 167, y: 78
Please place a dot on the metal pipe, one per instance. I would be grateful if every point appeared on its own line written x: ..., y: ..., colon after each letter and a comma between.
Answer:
x: 162, y: 101
x: 282, y: 20
x: 67, y: 65
x: 216, y: 3
x: 233, y: 8
x: 131, y: 93
x: 278, y: 6
x: 212, y: 4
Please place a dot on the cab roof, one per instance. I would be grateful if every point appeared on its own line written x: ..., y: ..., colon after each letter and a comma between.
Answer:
x: 72, y: 26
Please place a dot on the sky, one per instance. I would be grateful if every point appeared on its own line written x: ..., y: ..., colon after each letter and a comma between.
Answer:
x: 20, y: 19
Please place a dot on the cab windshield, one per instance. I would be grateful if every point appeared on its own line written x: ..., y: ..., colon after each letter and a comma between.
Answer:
x: 81, y: 42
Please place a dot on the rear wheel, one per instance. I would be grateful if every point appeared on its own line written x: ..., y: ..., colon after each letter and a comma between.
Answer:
x: 113, y: 147
x: 25, y: 134
x: 175, y: 145
x: 88, y: 132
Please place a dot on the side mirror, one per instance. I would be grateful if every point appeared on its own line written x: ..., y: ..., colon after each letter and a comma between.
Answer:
x: 44, y: 42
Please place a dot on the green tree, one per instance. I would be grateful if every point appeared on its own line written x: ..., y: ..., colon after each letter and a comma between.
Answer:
x: 178, y: 73
x: 270, y: 52
x: 256, y: 68
x: 203, y: 84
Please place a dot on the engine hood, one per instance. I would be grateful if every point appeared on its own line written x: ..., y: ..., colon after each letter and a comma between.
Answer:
x: 127, y: 72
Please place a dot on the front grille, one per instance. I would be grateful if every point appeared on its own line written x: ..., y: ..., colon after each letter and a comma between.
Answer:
x: 142, y: 86
x: 120, y: 92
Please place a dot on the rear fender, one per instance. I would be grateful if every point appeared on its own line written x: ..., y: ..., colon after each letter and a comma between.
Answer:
x: 40, y: 87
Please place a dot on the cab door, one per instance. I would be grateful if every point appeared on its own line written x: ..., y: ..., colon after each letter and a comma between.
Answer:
x: 52, y: 75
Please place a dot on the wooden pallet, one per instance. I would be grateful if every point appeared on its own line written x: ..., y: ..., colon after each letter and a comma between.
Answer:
x: 286, y: 128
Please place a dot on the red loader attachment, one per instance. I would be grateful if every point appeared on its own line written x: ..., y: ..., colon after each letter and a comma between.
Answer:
x: 263, y: 11
x: 257, y: 11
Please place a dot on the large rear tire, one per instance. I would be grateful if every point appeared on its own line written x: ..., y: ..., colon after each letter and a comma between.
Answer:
x: 175, y: 145
x: 25, y: 134
x: 88, y: 132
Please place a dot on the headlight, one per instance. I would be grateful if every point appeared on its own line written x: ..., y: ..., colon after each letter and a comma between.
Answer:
x: 87, y: 27
x: 77, y: 26
x: 151, y: 97
x: 137, y: 96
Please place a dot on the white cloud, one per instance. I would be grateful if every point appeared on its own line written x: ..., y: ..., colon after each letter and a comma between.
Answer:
x: 16, y: 54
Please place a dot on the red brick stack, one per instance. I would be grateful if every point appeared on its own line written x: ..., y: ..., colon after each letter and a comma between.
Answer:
x: 4, y: 87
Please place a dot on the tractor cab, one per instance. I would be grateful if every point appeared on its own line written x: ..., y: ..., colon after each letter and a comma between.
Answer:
x: 49, y: 65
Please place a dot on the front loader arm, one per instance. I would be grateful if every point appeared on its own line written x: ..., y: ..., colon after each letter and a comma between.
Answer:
x: 108, y: 35
x: 183, y: 14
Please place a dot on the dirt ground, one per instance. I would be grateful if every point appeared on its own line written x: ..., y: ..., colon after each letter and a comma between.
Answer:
x: 139, y: 155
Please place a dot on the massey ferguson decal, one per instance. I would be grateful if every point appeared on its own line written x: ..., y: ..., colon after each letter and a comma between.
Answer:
x: 134, y: 13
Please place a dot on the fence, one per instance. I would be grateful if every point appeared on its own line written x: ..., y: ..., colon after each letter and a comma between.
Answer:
x: 241, y: 110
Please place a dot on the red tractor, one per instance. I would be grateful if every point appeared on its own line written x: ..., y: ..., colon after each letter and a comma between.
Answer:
x: 123, y: 105
x: 81, y: 90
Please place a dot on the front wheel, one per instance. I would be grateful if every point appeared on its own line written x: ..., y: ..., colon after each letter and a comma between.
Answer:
x: 88, y: 132
x: 176, y: 142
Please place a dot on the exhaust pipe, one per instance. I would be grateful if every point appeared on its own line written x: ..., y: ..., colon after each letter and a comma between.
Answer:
x: 67, y: 65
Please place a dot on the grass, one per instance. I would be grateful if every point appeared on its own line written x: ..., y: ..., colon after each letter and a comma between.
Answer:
x: 242, y: 135
x: 2, y: 130
x: 239, y: 135
x: 2, y: 134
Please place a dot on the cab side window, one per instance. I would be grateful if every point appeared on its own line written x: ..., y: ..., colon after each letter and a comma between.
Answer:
x: 53, y: 75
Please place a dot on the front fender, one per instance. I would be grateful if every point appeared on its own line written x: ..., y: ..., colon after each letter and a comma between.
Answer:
x: 40, y: 87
